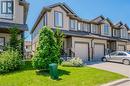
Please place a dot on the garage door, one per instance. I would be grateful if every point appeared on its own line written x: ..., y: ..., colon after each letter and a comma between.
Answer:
x: 81, y: 50
x: 121, y: 48
x: 98, y: 51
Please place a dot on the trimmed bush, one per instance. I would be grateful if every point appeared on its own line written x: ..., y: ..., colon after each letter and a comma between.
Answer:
x: 9, y: 61
x: 75, y: 62
x: 47, y: 50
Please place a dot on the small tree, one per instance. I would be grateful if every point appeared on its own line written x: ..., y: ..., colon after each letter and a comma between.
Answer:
x: 15, y: 42
x: 47, y: 50
x: 59, y: 40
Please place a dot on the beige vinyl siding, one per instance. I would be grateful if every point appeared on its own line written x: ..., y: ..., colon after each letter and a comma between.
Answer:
x: 50, y: 17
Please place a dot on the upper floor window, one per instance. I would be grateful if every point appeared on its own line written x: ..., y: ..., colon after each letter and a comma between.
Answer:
x: 124, y: 33
x: 106, y: 29
x: 79, y: 26
x: 58, y: 19
x: 73, y: 24
x: 95, y: 29
x: 6, y: 7
x: 116, y: 33
x: 86, y: 27
x: 45, y: 20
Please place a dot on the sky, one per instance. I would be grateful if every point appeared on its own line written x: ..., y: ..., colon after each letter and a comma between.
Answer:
x: 115, y: 10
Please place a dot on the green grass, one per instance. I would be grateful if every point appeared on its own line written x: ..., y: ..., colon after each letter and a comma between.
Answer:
x: 69, y: 76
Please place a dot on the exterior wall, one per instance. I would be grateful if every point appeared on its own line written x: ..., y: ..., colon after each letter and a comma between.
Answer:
x: 50, y: 18
x: 35, y: 35
x: 18, y: 16
x: 7, y: 37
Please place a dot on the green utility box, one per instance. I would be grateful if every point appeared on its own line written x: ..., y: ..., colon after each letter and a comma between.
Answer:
x: 53, y: 71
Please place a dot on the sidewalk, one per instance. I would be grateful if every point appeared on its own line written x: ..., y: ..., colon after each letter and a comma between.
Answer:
x: 122, y: 82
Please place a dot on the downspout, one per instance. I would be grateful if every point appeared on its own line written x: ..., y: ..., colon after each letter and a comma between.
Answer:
x: 91, y: 49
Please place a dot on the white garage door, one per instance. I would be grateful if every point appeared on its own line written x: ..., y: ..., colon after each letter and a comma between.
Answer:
x: 121, y: 47
x: 81, y: 50
x: 98, y: 51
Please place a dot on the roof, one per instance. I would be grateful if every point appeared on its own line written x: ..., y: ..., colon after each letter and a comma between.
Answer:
x: 98, y: 20
x: 48, y: 8
x: 5, y: 25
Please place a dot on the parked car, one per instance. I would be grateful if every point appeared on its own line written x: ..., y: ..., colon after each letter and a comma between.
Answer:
x: 118, y: 56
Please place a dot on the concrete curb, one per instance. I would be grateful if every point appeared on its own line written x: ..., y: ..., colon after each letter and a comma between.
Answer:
x: 118, y: 82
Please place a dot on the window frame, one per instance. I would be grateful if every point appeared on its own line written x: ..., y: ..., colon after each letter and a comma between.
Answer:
x: 45, y: 19
x: 7, y: 7
x: 75, y: 23
x: 95, y: 28
x: 106, y: 29
x: 55, y: 19
x: 86, y: 27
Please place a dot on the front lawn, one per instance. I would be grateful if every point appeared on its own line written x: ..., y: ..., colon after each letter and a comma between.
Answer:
x: 69, y: 76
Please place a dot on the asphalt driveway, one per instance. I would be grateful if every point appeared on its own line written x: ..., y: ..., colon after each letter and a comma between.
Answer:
x: 113, y: 67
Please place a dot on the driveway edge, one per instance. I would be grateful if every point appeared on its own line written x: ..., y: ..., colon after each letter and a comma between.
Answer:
x: 117, y: 82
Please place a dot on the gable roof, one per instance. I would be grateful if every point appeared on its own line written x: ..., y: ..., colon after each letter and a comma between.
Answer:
x: 100, y: 19
x: 119, y: 24
x: 48, y: 8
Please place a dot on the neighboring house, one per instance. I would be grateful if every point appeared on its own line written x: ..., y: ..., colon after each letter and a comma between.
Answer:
x: 13, y: 13
x: 27, y: 49
x: 87, y: 39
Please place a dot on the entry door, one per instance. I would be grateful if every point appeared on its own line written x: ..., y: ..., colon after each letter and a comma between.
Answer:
x: 81, y: 51
x: 98, y: 51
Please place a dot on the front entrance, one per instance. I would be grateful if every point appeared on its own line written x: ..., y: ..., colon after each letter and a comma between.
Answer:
x: 111, y: 46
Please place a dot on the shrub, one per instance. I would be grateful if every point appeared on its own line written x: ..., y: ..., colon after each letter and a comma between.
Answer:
x: 59, y: 35
x: 9, y: 61
x: 47, y: 50
x: 74, y: 62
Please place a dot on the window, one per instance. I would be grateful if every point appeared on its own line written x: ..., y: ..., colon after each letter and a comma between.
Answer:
x: 45, y: 20
x: 2, y: 42
x: 113, y: 53
x: 116, y: 33
x: 124, y: 33
x: 73, y: 24
x: 6, y: 7
x: 58, y: 20
x: 121, y: 54
x: 79, y: 26
x: 86, y: 27
x: 106, y: 29
x: 95, y: 29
